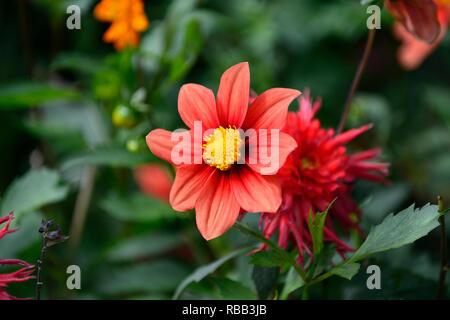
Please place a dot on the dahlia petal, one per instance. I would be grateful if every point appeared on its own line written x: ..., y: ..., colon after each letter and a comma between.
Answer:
x: 262, y: 157
x: 197, y: 103
x: 162, y: 143
x: 269, y: 110
x: 217, y: 208
x: 233, y: 95
x: 347, y: 136
x: 254, y: 192
x: 188, y: 185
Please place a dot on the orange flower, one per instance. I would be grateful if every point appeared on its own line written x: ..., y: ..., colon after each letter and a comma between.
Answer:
x: 421, y: 26
x: 154, y: 180
x: 127, y: 19
x: 223, y: 178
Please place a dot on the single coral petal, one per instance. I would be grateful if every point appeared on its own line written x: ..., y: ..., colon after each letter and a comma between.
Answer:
x: 270, y: 152
x: 189, y: 183
x: 269, y: 110
x: 413, y: 52
x: 254, y: 192
x: 233, y: 95
x: 197, y: 103
x: 154, y: 180
x: 217, y: 208
x: 175, y: 147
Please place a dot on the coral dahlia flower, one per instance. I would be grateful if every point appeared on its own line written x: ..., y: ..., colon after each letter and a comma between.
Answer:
x: 314, y: 174
x: 127, y: 19
x: 20, y: 275
x: 224, y: 169
x: 420, y: 27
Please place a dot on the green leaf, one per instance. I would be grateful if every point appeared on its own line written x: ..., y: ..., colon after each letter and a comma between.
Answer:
x: 29, y: 94
x: 264, y: 280
x: 233, y: 290
x: 292, y: 283
x: 204, y: 271
x: 76, y: 62
x: 398, y: 230
x: 347, y: 271
x: 32, y: 191
x: 315, y: 225
x: 157, y: 276
x: 258, y: 236
x: 23, y: 238
x: 136, y: 207
x: 143, y: 246
x: 267, y: 259
x: 110, y: 156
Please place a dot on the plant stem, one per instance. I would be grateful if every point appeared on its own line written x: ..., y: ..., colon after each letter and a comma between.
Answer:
x: 39, y: 263
x: 356, y: 80
x: 443, y: 270
x: 81, y: 207
x: 256, y: 235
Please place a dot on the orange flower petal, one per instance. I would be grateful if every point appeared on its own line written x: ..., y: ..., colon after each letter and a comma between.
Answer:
x: 189, y: 183
x: 269, y: 110
x: 233, y: 95
x: 217, y: 208
x: 254, y: 192
x: 197, y: 103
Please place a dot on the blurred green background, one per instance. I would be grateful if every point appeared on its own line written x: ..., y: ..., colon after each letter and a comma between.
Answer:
x: 58, y: 90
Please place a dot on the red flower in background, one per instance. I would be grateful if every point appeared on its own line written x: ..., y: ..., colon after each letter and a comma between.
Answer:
x: 20, y: 275
x: 154, y: 180
x: 421, y: 26
x: 316, y: 172
x: 224, y: 181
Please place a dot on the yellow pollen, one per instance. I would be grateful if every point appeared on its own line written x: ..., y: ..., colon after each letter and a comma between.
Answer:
x: 308, y: 163
x: 223, y: 148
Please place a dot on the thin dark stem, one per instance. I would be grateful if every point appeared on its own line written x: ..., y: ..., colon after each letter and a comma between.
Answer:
x: 356, y: 80
x: 443, y: 271
x: 40, y: 263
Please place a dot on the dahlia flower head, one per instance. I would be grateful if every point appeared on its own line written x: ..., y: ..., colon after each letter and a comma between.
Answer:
x: 223, y: 163
x: 20, y: 275
x: 318, y: 171
x: 420, y: 26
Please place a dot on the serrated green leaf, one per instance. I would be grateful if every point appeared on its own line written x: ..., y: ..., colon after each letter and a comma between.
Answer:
x: 204, y: 271
x: 233, y: 290
x: 32, y: 191
x: 315, y: 226
x: 398, y: 230
x: 29, y: 94
x: 347, y: 271
x: 136, y: 207
x: 266, y: 259
x: 292, y: 283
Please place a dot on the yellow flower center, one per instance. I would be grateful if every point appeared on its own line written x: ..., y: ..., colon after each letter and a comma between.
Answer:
x: 307, y: 163
x: 223, y: 148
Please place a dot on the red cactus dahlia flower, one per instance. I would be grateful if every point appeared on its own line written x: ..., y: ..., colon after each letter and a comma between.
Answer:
x: 217, y: 176
x: 20, y: 275
x: 316, y: 172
